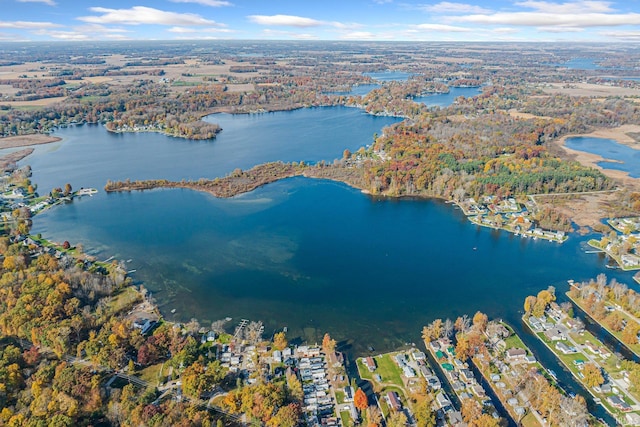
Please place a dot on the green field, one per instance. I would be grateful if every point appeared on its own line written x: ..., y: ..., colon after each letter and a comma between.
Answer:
x: 386, y: 368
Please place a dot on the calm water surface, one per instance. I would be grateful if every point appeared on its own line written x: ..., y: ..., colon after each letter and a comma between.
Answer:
x: 620, y: 156
x: 389, y: 76
x: 311, y: 255
x: 446, y: 99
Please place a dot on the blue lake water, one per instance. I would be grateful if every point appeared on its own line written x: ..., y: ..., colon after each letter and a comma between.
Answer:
x: 389, y: 76
x: 358, y: 90
x: 446, y: 99
x: 623, y: 158
x: 581, y: 64
x: 312, y: 255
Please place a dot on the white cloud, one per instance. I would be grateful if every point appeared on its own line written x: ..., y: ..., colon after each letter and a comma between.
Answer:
x: 27, y: 25
x: 212, y: 3
x: 138, y: 15
x: 538, y: 19
x: 579, y: 7
x: 631, y: 35
x: 455, y: 8
x: 441, y: 27
x: 285, y: 21
x: 181, y: 30
x: 550, y: 29
x: 574, y: 14
x: 64, y: 35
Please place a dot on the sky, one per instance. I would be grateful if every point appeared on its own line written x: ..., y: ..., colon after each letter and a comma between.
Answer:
x: 394, y: 20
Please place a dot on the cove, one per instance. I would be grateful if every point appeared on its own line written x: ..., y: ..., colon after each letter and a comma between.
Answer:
x: 446, y: 99
x: 89, y: 155
x: 622, y: 157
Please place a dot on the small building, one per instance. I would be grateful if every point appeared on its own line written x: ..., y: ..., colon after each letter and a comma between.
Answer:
x: 467, y: 375
x: 277, y: 356
x: 514, y: 354
x: 408, y: 371
x: 418, y: 355
x: 394, y: 401
x: 348, y: 394
x: 370, y: 363
x: 565, y: 349
x: 633, y: 419
x: 554, y: 334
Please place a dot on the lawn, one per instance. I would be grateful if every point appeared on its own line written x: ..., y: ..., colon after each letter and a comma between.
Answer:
x: 339, y: 396
x: 635, y: 348
x: 388, y: 369
x: 529, y: 420
x: 514, y: 341
x: 151, y: 374
x: 385, y: 367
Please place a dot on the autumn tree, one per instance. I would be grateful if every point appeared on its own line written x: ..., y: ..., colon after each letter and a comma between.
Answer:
x: 373, y: 416
x: 529, y: 303
x: 328, y: 344
x: 397, y: 419
x: 360, y: 400
x: 480, y: 321
x: 592, y: 375
x: 280, y: 340
x: 630, y: 333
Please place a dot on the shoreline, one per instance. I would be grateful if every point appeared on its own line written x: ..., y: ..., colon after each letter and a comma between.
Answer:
x: 27, y: 140
x: 620, y: 135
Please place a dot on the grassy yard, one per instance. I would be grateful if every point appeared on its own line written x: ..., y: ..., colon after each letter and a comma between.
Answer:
x: 514, y: 341
x: 345, y: 418
x: 339, y: 396
x: 151, y: 374
x: 530, y: 420
x: 635, y: 348
x: 126, y: 298
x: 568, y: 361
x: 385, y: 367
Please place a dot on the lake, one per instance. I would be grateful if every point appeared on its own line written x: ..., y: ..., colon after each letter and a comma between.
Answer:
x: 621, y: 157
x: 357, y: 90
x: 311, y: 255
x: 389, y: 76
x: 446, y: 99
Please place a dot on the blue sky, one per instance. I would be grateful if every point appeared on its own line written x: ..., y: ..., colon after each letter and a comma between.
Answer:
x: 481, y: 20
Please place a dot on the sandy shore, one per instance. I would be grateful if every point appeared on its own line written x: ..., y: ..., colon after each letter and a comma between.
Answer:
x: 27, y: 140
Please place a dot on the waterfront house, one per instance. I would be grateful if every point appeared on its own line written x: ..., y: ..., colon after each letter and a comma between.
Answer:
x: 616, y: 402
x: 565, y: 348
x: 575, y: 325
x: 443, y: 401
x: 467, y: 375
x: 554, y: 334
x: 408, y: 371
x: 478, y: 391
x: 514, y: 354
x: 348, y: 394
x: 277, y: 356
x: 418, y: 355
x: 370, y: 363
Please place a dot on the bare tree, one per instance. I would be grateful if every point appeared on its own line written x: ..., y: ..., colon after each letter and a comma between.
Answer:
x: 218, y: 326
x: 253, y: 332
x: 447, y: 328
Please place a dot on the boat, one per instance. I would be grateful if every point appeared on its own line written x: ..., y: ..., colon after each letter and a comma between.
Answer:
x: 552, y: 374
